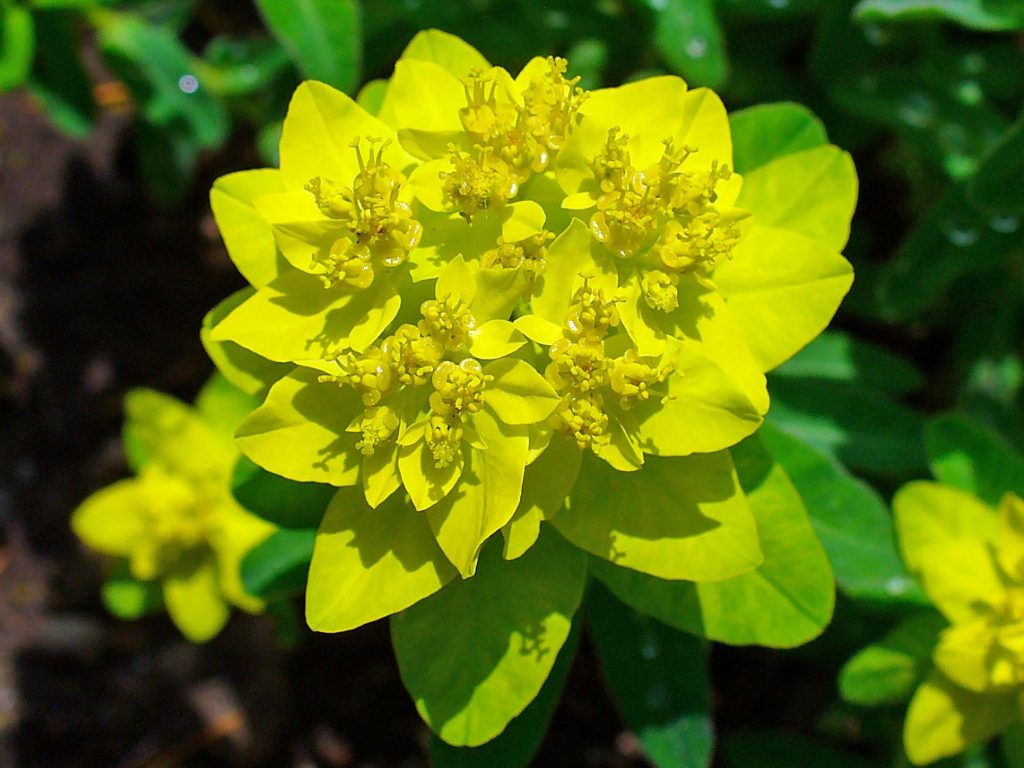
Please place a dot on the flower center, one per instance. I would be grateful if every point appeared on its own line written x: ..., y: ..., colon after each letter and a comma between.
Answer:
x: 666, y: 214
x: 529, y: 254
x: 380, y: 228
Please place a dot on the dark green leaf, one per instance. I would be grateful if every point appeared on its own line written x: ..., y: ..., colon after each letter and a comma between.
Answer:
x: 772, y: 9
x: 950, y: 241
x: 243, y: 66
x: 887, y: 672
x: 659, y: 678
x: 863, y: 428
x: 280, y: 564
x: 129, y: 598
x: 284, y: 503
x: 996, y: 183
x: 323, y: 37
x: 763, y: 133
x: 1012, y: 743
x: 517, y: 745
x: 839, y: 357
x: 58, y: 78
x: 974, y: 14
x: 167, y: 157
x: 687, y: 35
x: 162, y: 77
x: 967, y: 455
x: 17, y: 44
x: 851, y: 520
x: 776, y: 749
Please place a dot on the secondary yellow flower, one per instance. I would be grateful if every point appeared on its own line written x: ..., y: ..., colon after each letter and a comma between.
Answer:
x: 970, y: 560
x: 176, y: 523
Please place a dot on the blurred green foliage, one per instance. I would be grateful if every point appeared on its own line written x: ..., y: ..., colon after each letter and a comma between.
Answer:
x: 927, y: 94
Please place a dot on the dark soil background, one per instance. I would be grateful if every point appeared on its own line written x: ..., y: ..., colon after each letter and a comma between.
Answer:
x: 101, y: 292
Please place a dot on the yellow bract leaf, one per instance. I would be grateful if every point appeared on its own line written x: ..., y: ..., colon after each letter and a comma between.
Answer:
x: 369, y: 563
x: 783, y: 289
x: 944, y: 719
x: 945, y: 536
x: 249, y: 240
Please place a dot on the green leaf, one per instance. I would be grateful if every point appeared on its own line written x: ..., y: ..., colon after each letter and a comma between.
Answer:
x: 768, y: 749
x: 167, y: 159
x: 659, y: 679
x: 1012, y: 743
x: 863, y: 428
x: 127, y: 597
x: 887, y: 672
x: 244, y: 66
x: 973, y: 14
x: 676, y: 518
x: 58, y: 78
x: 475, y: 654
x: 519, y: 742
x: 967, y: 455
x: 951, y: 240
x: 156, y: 67
x: 323, y: 37
x: 285, y: 503
x: 17, y: 44
x: 994, y: 185
x: 687, y: 35
x: 785, y: 602
x: 280, y: 564
x: 768, y: 131
x: 268, y: 142
x: 370, y: 563
x: 588, y: 59
x: 849, y: 517
x: 837, y: 356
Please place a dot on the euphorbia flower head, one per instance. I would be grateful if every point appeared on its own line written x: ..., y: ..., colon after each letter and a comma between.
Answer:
x: 478, y: 284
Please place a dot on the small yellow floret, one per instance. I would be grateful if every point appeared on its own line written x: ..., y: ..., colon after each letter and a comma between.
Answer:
x: 376, y: 425
x: 529, y: 254
x: 380, y: 225
x: 632, y: 378
x: 477, y: 184
x: 447, y: 320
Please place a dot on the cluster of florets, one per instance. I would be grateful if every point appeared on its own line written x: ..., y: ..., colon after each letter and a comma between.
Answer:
x: 379, y: 229
x: 665, y: 215
x: 582, y: 373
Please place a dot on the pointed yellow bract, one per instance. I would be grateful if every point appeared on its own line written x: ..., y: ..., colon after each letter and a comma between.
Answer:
x: 177, y: 524
x: 498, y: 278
